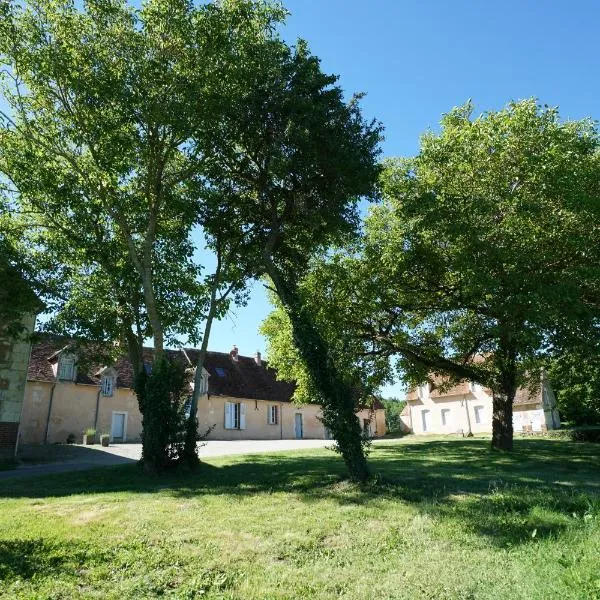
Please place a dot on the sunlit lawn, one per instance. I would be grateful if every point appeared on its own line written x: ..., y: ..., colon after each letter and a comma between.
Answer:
x: 447, y: 519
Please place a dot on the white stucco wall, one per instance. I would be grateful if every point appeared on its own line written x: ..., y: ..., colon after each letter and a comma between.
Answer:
x: 473, y: 412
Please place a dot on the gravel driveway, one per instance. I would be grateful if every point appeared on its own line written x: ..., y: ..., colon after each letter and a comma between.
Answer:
x: 79, y: 458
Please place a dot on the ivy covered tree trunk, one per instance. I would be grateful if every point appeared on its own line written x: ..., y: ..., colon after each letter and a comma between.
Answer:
x: 338, y: 398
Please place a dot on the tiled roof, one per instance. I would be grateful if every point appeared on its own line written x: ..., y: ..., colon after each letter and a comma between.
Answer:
x: 239, y: 379
x: 522, y: 396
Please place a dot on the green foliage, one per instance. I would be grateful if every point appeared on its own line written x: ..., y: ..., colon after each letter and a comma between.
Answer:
x: 114, y: 118
x: 296, y: 158
x: 575, y: 377
x: 162, y: 395
x: 393, y: 408
x: 585, y: 434
x: 476, y: 252
x: 90, y: 432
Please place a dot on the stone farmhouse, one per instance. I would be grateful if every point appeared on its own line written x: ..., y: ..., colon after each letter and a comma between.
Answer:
x: 433, y: 408
x: 241, y: 399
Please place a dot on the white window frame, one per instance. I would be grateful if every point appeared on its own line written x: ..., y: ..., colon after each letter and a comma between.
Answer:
x: 479, y: 412
x: 108, y: 384
x: 235, y: 415
x: 424, y: 414
x: 66, y: 368
x: 273, y: 415
x: 446, y: 415
x: 424, y: 391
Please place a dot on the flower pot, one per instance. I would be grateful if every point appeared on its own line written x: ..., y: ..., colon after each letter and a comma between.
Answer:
x: 88, y: 440
x: 104, y: 440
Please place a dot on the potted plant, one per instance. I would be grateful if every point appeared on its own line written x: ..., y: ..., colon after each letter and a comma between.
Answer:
x: 89, y: 436
x: 105, y: 439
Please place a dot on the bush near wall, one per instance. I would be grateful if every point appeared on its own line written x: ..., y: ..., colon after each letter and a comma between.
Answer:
x: 589, y: 433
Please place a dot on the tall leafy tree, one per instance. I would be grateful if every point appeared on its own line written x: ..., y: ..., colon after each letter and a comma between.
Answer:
x: 481, y: 260
x: 484, y: 255
x: 105, y: 143
x: 297, y: 158
x: 575, y: 378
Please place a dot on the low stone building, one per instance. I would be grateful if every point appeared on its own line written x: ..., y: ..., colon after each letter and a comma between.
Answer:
x: 467, y: 408
x: 241, y: 399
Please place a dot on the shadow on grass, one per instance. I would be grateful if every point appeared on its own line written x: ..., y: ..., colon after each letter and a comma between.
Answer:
x: 25, y: 559
x: 538, y: 490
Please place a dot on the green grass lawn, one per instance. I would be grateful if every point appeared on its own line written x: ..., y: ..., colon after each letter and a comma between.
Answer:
x: 447, y: 519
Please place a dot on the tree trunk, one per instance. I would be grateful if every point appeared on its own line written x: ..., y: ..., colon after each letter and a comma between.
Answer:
x: 339, y: 406
x: 505, y: 389
x: 502, y: 425
x: 153, y: 316
x: 191, y: 435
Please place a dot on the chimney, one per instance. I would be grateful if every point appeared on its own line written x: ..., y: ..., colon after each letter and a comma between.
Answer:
x: 234, y: 353
x: 257, y: 359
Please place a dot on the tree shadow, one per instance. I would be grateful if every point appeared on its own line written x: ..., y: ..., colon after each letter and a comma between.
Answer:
x: 25, y: 559
x: 538, y: 490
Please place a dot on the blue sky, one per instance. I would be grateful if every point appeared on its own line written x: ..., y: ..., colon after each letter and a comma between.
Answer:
x: 417, y: 59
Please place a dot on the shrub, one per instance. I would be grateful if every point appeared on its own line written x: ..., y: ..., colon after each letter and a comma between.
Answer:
x: 590, y: 433
x: 586, y: 434
x: 71, y: 438
x: 90, y: 432
x: 161, y: 396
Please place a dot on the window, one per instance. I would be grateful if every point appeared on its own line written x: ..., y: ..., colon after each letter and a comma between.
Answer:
x: 66, y: 368
x: 3, y: 395
x: 108, y: 385
x: 479, y: 414
x: 220, y: 371
x: 426, y: 420
x: 445, y: 417
x: 423, y: 391
x: 273, y: 415
x: 147, y: 367
x: 235, y: 415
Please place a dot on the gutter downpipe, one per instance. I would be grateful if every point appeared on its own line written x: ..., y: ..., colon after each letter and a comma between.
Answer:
x: 49, y: 412
x: 470, y: 432
x: 97, y: 408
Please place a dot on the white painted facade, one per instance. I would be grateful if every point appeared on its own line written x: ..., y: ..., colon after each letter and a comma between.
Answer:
x: 468, y: 408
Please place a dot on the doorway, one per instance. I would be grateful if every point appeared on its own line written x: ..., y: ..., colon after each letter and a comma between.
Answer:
x: 298, y: 426
x: 118, y: 429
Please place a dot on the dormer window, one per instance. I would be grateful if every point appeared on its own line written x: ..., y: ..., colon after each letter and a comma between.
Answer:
x: 66, y: 368
x: 107, y: 384
x: 424, y: 391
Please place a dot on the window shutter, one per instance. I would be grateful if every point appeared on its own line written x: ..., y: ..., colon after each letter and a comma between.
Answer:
x: 270, y: 416
x: 228, y: 420
x: 242, y: 415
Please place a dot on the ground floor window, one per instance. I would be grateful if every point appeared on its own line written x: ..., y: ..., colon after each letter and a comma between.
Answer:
x: 273, y: 414
x: 445, y: 416
x: 479, y: 414
x: 235, y: 415
x: 426, y: 419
